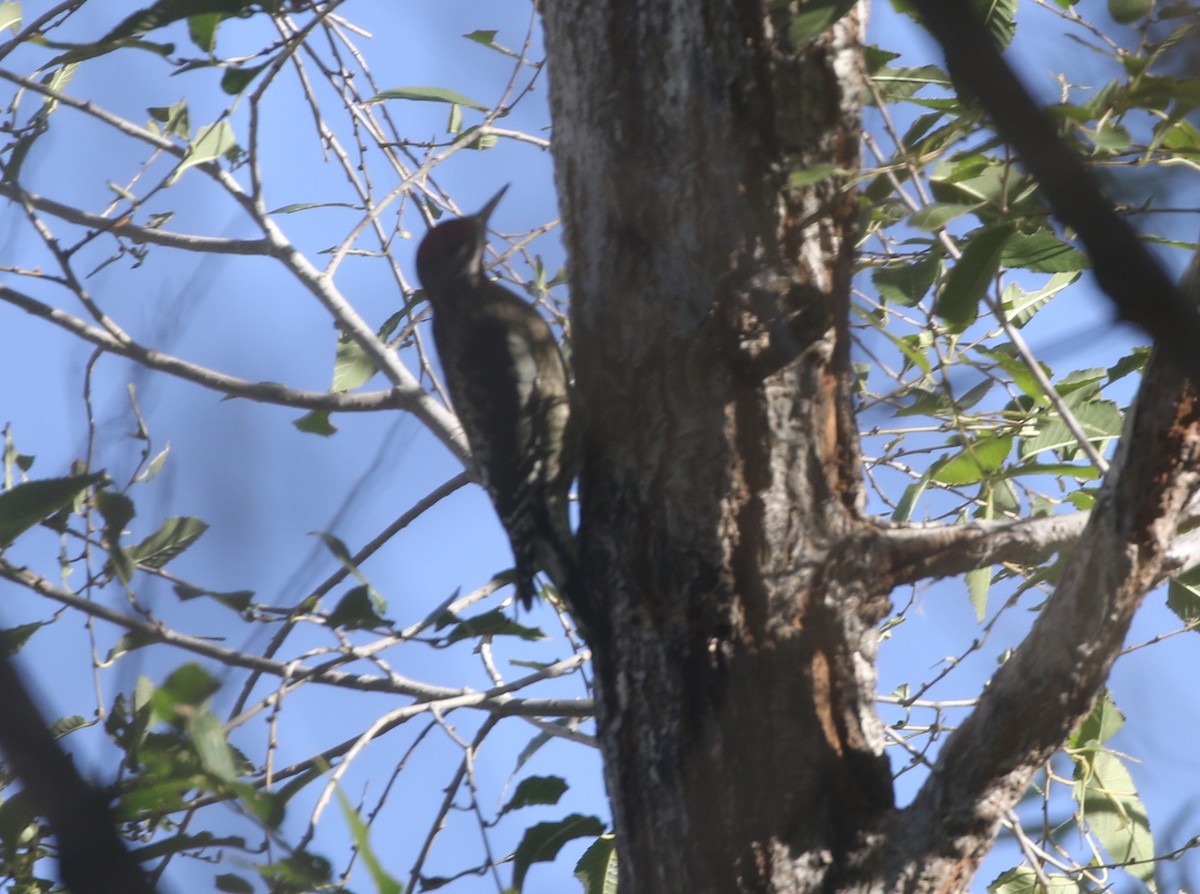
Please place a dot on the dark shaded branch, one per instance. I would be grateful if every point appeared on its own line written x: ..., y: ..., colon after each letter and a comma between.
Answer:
x: 92, y: 857
x: 1137, y: 285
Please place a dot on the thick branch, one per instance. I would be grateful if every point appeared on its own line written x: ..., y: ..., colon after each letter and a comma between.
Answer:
x: 1039, y: 696
x: 917, y: 552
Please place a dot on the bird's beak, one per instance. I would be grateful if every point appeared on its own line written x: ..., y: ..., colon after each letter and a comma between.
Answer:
x: 486, y: 211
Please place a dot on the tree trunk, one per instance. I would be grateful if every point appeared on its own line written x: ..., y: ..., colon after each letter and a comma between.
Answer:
x: 729, y: 606
x: 730, y: 584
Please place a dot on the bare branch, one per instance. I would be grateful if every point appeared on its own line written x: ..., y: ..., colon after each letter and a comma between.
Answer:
x: 496, y: 700
x: 264, y: 392
x: 133, y: 232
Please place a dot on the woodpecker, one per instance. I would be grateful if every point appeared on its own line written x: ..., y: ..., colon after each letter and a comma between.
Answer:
x: 508, y: 384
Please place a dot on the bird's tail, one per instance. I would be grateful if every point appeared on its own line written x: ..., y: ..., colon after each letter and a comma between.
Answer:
x: 557, y: 553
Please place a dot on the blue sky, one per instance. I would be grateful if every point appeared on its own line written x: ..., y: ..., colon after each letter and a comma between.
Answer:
x: 264, y: 486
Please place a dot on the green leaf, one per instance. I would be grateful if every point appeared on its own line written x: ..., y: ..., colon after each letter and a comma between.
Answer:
x: 815, y: 18
x: 155, y: 465
x: 384, y: 883
x: 207, y: 736
x: 118, y: 511
x: 237, y: 79
x: 351, y: 367
x: 1005, y: 357
x: 908, y: 501
x: 1043, y: 252
x: 25, y: 505
x: 340, y: 551
x: 316, y: 422
x: 1126, y: 12
x: 492, y: 623
x: 542, y: 842
x: 808, y: 176
x: 165, y: 12
x: 1000, y: 18
x: 597, y: 868
x: 64, y: 726
x: 976, y: 461
x: 1023, y: 880
x: 1114, y: 812
x: 536, y: 790
x: 1022, y: 306
x: 130, y: 642
x: 13, y: 639
x: 302, y: 871
x: 907, y: 283
x: 979, y: 582
x: 189, y: 685
x: 896, y: 84
x: 202, y: 29
x: 238, y: 600
x: 178, y: 844
x: 18, y: 815
x: 1100, y: 420
x: 358, y: 610
x: 968, y: 281
x: 76, y: 53
x: 428, y: 94
x: 488, y: 39
x: 1103, y: 722
x: 936, y: 215
x: 482, y: 142
x: 212, y: 142
x: 172, y: 120
x: 1183, y: 596
x: 268, y: 807
x: 176, y: 534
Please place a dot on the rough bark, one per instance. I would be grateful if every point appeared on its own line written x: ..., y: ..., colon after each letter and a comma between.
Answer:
x: 729, y: 584
x: 730, y: 611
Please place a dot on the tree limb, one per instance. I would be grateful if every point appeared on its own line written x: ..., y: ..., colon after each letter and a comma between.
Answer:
x: 917, y: 552
x: 1048, y: 686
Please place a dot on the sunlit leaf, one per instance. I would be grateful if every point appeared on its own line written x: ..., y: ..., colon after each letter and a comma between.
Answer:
x: 176, y: 534
x: 428, y: 94
x: 597, y: 868
x: 212, y: 142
